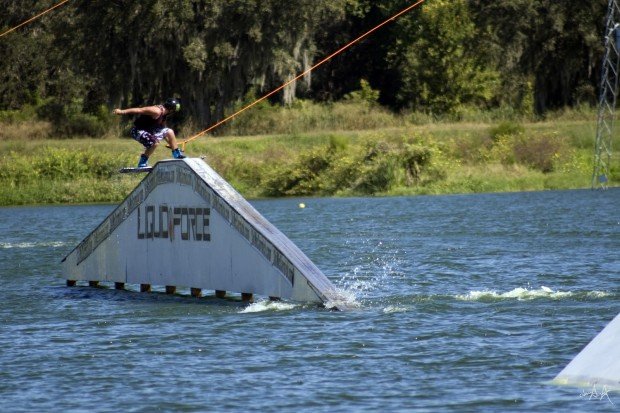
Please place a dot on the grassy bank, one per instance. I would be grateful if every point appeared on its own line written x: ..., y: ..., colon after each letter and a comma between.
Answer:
x: 433, y: 158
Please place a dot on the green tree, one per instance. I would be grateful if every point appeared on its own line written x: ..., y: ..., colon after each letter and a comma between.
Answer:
x: 210, y: 53
x: 427, y: 60
x: 440, y: 64
x: 528, y: 54
x: 25, y: 69
x: 555, y: 46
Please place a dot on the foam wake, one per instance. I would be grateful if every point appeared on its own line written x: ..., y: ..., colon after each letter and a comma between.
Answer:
x: 268, y: 305
x: 529, y: 294
x: 23, y: 245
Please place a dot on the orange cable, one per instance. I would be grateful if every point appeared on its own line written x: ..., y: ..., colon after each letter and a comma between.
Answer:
x: 351, y: 43
x: 33, y: 18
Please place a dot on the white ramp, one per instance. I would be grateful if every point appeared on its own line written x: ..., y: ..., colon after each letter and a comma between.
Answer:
x: 598, y: 364
x: 184, y: 225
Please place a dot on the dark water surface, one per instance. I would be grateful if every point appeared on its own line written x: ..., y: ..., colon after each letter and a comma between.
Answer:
x: 466, y: 303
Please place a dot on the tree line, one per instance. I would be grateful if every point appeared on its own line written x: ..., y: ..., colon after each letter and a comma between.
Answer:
x: 92, y: 55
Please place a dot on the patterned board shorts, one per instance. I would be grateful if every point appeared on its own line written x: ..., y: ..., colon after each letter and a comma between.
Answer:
x: 149, y: 138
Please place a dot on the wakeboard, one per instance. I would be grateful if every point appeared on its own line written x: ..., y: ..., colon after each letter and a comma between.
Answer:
x: 135, y: 170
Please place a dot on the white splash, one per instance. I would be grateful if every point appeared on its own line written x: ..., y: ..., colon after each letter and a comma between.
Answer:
x: 369, y: 269
x: 53, y: 244
x: 347, y: 299
x: 267, y: 305
x: 525, y: 294
x: 394, y: 309
x: 597, y: 294
x: 357, y: 281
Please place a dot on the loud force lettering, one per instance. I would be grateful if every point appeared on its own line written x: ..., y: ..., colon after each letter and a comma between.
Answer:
x: 168, y: 222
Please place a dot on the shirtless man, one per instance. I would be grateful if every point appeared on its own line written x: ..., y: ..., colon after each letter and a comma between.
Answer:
x: 150, y: 128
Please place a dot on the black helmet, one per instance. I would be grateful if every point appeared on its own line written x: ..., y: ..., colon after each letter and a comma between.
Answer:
x: 172, y: 104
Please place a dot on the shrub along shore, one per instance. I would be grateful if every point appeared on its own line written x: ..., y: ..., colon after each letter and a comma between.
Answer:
x: 433, y: 158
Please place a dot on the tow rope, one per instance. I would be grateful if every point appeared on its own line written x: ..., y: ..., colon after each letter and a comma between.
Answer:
x: 33, y: 18
x: 299, y: 76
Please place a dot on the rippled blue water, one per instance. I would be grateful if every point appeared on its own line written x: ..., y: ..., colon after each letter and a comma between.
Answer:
x: 466, y: 303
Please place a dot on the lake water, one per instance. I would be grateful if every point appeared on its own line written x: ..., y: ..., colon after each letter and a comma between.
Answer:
x: 466, y: 303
